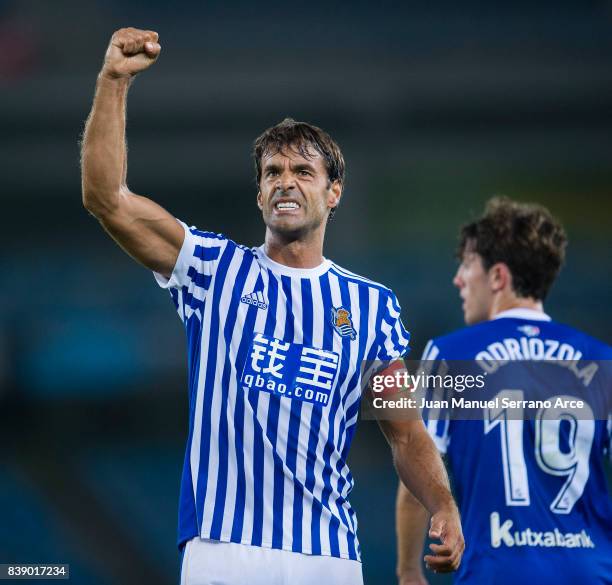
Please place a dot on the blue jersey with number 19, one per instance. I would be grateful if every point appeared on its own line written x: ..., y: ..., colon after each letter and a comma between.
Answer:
x: 533, y: 497
x: 275, y: 357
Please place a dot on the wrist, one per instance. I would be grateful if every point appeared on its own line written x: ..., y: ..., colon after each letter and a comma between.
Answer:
x: 444, y: 504
x: 107, y: 76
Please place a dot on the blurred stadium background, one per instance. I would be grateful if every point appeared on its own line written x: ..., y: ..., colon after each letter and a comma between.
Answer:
x: 437, y: 107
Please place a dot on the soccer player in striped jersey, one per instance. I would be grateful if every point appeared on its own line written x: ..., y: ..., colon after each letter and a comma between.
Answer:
x: 276, y: 336
x: 531, y: 490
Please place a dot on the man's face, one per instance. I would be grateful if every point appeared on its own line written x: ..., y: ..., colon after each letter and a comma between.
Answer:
x: 295, y: 193
x: 472, y: 280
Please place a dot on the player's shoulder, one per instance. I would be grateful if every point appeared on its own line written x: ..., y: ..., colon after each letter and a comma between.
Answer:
x: 348, y: 276
x: 460, y: 343
x: 591, y: 347
x: 208, y: 235
x: 211, y: 239
x: 464, y: 343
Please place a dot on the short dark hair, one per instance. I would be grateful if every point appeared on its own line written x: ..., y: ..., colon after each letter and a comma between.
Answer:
x: 524, y: 236
x: 300, y: 136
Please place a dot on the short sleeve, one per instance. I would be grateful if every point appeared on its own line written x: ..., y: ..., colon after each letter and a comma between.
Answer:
x: 393, y: 339
x: 194, y: 270
x: 436, y: 421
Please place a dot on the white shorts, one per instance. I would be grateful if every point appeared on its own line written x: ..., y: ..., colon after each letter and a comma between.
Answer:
x: 210, y: 562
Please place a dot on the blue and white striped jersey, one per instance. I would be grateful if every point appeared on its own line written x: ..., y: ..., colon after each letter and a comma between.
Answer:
x: 274, y: 357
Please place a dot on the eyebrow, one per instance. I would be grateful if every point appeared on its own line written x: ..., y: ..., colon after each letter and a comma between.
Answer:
x: 271, y: 167
x: 296, y: 168
x: 304, y: 167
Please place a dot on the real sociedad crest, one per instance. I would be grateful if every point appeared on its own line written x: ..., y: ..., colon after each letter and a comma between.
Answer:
x: 341, y: 320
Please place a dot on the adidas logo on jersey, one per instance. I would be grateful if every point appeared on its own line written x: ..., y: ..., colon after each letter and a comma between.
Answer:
x: 255, y: 298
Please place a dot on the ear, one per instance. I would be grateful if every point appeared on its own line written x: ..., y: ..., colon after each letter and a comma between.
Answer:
x: 259, y: 200
x: 500, y: 277
x: 334, y: 194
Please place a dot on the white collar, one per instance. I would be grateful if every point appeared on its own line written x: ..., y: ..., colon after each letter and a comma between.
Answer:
x: 289, y: 270
x: 521, y: 313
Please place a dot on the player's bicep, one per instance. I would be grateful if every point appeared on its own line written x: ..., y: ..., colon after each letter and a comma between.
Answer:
x: 146, y: 231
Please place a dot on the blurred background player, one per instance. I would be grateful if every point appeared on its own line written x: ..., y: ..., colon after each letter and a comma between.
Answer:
x: 532, y: 494
x: 276, y: 337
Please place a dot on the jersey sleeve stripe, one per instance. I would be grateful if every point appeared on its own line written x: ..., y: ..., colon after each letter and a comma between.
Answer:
x: 205, y: 253
x: 201, y: 280
x: 207, y: 235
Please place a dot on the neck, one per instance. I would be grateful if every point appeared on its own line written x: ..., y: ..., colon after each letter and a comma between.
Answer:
x: 501, y: 304
x: 296, y: 253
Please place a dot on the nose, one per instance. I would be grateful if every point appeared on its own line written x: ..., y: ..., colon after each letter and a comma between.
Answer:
x: 286, y: 181
x: 457, y: 279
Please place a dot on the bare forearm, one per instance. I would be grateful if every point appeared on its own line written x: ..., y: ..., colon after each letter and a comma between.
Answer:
x: 411, y: 526
x: 103, y: 157
x: 420, y: 468
x: 144, y: 229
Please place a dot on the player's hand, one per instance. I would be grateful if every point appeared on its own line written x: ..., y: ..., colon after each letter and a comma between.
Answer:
x: 130, y: 51
x: 412, y: 578
x: 445, y: 526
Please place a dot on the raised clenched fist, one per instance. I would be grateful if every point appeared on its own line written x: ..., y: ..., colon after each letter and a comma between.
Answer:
x: 130, y: 51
